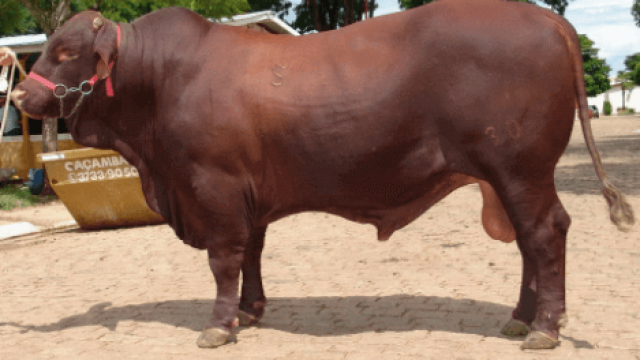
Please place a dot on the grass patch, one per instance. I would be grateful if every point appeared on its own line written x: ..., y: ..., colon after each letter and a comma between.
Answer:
x: 18, y: 196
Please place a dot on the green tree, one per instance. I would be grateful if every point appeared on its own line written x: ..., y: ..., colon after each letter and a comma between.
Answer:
x: 625, y: 81
x: 324, y: 15
x: 29, y: 16
x: 15, y: 18
x: 215, y: 9
x: 632, y: 63
x: 408, y: 4
x: 48, y: 14
x: 120, y: 10
x: 129, y: 10
x: 596, y: 70
x: 559, y: 6
x: 635, y: 11
x: 281, y: 7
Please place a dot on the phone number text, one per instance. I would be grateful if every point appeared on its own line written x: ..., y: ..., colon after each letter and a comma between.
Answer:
x: 107, y: 174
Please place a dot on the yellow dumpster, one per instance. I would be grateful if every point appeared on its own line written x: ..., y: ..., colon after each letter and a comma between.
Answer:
x: 99, y: 188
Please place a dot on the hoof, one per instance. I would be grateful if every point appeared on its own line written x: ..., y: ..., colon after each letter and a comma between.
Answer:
x: 212, y: 338
x: 539, y: 340
x: 515, y: 328
x: 246, y: 319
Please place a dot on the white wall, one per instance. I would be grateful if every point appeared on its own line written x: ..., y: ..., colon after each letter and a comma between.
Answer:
x: 614, y: 95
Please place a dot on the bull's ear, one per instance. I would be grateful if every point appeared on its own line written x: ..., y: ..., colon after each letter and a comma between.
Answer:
x: 105, y: 46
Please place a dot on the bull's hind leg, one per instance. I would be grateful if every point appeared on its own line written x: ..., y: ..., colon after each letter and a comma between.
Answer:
x: 252, y: 301
x: 541, y: 225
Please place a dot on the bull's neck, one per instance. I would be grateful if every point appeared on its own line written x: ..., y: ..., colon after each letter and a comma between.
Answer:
x: 124, y: 122
x: 150, y: 68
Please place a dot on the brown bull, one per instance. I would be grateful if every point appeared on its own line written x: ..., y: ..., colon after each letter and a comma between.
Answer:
x: 232, y: 129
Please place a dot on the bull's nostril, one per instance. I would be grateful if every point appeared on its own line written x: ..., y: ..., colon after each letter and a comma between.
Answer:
x: 18, y: 96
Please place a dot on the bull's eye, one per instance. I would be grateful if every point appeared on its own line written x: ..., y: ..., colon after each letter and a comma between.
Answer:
x: 64, y: 53
x: 67, y: 56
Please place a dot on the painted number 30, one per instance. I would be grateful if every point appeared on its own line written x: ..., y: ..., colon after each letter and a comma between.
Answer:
x: 109, y: 174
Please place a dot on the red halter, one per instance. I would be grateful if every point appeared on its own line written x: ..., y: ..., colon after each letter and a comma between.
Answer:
x: 93, y: 80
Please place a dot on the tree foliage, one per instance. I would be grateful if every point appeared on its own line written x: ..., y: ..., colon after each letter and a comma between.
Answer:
x: 118, y: 10
x: 559, y: 6
x: 215, y: 9
x: 15, y: 18
x: 128, y: 10
x: 624, y: 77
x: 635, y: 11
x: 632, y: 64
x: 324, y: 15
x: 48, y: 14
x: 596, y: 70
x: 27, y: 16
x: 280, y: 7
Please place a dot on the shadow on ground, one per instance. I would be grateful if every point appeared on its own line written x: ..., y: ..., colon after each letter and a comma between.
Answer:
x: 321, y: 316
x: 611, y: 146
x: 581, y: 179
x: 347, y: 315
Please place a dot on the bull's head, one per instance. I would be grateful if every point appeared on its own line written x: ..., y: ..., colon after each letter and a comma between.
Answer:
x: 80, y: 50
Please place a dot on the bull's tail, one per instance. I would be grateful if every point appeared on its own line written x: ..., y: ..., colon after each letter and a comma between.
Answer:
x: 620, y: 210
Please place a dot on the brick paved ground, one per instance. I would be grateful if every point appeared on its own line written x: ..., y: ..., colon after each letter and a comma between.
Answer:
x: 439, y: 289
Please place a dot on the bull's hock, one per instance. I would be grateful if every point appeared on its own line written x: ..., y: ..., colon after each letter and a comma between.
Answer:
x: 99, y: 188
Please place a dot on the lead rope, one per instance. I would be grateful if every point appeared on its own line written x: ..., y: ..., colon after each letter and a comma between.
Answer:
x: 8, y: 102
x: 15, y: 62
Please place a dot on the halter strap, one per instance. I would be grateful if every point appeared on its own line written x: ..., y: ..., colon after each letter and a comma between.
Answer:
x: 93, y: 80
x: 42, y: 81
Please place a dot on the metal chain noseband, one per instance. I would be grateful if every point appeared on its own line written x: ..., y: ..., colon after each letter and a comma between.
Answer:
x: 67, y: 91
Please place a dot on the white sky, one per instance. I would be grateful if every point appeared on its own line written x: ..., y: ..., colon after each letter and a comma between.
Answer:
x: 607, y: 22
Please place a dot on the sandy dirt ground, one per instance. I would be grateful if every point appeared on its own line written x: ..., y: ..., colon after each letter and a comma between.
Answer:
x: 438, y: 289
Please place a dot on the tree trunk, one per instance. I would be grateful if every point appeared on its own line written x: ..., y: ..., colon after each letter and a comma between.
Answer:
x: 49, y: 144
x: 316, y: 14
x: 349, y: 17
x: 48, y: 18
x: 346, y: 12
x: 333, y: 13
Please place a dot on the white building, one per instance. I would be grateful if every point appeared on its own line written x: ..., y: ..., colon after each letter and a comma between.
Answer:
x: 614, y: 96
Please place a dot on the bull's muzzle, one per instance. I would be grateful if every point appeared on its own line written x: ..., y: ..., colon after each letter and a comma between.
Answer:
x: 17, y: 96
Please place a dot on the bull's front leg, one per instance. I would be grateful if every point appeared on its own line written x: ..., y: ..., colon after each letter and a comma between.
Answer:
x: 225, y: 261
x: 252, y: 301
